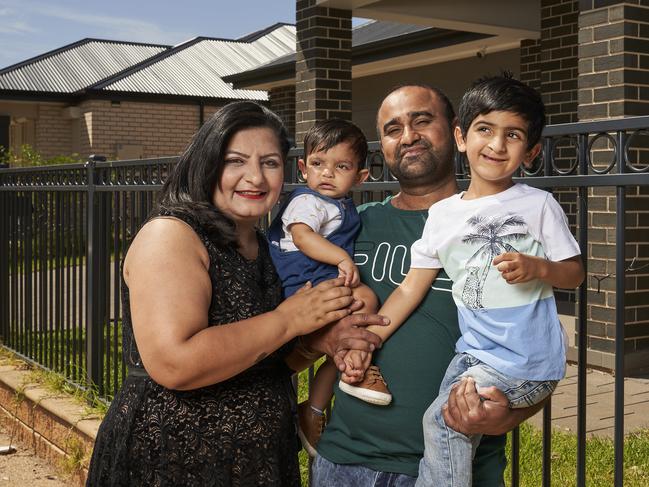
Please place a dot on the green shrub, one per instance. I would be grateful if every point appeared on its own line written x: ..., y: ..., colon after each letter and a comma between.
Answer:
x: 30, y: 157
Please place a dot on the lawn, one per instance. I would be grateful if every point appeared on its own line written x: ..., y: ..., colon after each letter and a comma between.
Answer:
x: 599, y: 459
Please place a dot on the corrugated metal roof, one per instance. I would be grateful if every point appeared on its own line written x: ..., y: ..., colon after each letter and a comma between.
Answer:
x: 195, y: 68
x: 75, y: 67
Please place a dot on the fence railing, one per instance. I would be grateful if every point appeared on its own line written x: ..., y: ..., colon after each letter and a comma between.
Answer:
x: 64, y: 231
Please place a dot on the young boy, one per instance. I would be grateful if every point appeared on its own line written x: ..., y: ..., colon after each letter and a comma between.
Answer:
x: 505, y: 246
x: 312, y: 239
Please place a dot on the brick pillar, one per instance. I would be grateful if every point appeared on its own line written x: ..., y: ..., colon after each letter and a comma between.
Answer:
x: 282, y: 102
x: 323, y: 65
x: 614, y: 82
x: 530, y: 63
x: 557, y: 81
x: 559, y: 59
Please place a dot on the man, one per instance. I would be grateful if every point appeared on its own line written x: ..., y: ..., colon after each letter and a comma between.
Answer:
x: 366, y: 445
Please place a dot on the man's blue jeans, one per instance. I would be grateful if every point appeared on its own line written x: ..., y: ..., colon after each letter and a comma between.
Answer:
x: 448, y: 455
x: 328, y: 474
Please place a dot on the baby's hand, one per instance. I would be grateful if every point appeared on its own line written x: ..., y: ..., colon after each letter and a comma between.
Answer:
x: 349, y: 271
x: 516, y: 268
x: 357, y: 362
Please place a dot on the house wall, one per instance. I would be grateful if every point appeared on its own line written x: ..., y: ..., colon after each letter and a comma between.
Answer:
x: 590, y: 64
x: 322, y: 65
x: 137, y: 130
x: 282, y: 102
x: 124, y: 130
x: 40, y: 125
x: 452, y: 77
x: 614, y: 82
x: 53, y: 131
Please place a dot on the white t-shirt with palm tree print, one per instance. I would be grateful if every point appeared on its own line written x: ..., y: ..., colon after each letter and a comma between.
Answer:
x: 512, y: 327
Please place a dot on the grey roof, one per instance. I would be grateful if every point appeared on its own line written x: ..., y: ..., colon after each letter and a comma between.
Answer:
x: 375, y: 31
x: 75, y: 66
x: 196, y: 69
x: 191, y: 69
x: 368, y: 33
x: 372, y: 41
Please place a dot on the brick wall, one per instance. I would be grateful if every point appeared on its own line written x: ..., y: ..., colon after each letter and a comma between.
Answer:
x: 549, y: 64
x: 614, y: 82
x: 559, y: 30
x: 323, y: 65
x: 592, y: 62
x: 282, y: 102
x: 159, y: 129
x: 52, y: 132
x: 614, y: 60
x: 530, y: 63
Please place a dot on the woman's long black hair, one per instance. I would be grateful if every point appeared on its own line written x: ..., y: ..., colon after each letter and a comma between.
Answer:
x: 188, y: 189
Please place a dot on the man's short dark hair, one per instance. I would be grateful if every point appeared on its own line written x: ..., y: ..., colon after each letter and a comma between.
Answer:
x: 328, y: 133
x: 449, y: 112
x: 504, y: 94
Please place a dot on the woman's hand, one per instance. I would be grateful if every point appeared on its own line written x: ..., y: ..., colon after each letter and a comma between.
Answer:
x: 313, y: 307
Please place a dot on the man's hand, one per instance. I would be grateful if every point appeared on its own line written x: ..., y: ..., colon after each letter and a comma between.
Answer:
x: 349, y: 333
x: 467, y: 413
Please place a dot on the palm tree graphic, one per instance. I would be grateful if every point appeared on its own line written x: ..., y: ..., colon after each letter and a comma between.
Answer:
x: 493, y: 234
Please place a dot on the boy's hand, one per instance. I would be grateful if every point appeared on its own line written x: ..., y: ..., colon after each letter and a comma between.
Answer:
x: 349, y: 271
x: 516, y: 268
x: 356, y: 362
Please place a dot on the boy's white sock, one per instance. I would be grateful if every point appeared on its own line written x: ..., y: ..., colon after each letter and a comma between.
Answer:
x: 319, y: 412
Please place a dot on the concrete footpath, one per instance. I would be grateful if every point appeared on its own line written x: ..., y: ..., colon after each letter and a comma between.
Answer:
x: 24, y: 467
x: 600, y: 404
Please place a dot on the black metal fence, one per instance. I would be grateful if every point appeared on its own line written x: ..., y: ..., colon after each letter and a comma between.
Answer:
x: 65, y: 229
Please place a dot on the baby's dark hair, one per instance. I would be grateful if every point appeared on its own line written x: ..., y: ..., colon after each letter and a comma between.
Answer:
x: 328, y: 133
x: 506, y: 94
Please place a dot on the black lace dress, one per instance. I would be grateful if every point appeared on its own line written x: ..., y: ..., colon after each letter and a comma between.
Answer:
x: 239, y: 432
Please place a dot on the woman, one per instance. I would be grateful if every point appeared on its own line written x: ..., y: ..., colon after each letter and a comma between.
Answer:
x: 205, y: 404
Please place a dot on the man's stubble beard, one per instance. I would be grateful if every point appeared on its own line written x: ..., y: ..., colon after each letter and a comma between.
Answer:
x: 432, y: 167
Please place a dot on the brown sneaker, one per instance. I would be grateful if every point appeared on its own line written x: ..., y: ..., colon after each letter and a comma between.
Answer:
x: 311, y: 427
x: 372, y: 388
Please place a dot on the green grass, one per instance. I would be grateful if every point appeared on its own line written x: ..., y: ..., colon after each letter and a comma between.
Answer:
x: 60, y: 344
x: 599, y: 459
x: 56, y: 383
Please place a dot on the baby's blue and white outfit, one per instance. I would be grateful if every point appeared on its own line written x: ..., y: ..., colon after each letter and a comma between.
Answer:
x: 511, y: 334
x: 335, y: 219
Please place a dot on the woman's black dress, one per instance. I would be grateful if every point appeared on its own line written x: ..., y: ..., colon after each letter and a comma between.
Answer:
x: 239, y: 432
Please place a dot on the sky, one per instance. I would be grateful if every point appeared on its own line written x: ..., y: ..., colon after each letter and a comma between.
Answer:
x: 31, y: 27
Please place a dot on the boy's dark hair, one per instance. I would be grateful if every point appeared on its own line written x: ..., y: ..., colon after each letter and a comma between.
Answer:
x: 328, y: 133
x: 503, y: 93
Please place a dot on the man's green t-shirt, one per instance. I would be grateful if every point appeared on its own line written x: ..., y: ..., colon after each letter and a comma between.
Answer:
x: 413, y: 360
